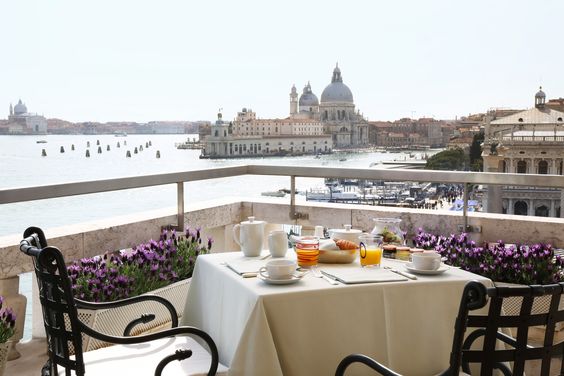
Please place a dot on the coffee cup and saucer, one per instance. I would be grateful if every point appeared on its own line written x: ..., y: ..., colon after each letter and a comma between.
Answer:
x: 280, y: 272
x: 426, y: 263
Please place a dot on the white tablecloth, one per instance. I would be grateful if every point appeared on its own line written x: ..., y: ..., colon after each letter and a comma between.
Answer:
x: 308, y: 327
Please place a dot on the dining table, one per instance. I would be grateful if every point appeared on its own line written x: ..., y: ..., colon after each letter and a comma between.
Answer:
x: 308, y: 326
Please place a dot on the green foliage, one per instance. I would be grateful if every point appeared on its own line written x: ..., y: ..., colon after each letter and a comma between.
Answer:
x: 476, y: 162
x: 453, y: 159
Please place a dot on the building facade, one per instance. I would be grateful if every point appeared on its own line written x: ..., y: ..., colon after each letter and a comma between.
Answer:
x: 20, y: 121
x: 526, y: 142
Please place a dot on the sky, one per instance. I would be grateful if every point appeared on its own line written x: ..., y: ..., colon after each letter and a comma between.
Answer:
x: 137, y: 60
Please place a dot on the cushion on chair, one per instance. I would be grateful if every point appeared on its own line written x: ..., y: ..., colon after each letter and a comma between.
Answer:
x: 142, y: 359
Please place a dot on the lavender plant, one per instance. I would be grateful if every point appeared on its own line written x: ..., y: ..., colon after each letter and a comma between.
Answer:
x: 519, y: 263
x: 7, y: 322
x: 143, y: 268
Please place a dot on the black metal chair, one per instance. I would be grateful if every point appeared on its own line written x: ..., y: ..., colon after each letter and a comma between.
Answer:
x: 139, y: 355
x: 538, y: 306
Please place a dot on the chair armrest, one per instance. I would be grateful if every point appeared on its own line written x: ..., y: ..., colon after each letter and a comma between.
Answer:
x: 123, y: 302
x: 171, y: 332
x: 359, y: 358
x: 178, y: 355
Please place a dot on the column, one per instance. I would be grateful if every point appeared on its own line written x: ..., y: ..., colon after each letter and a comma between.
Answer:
x: 531, y: 208
x: 552, y: 168
x: 511, y: 166
x: 552, y: 212
x: 510, y: 204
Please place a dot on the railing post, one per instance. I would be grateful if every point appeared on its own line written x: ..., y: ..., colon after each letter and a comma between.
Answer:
x: 465, y: 207
x: 293, y: 213
x: 180, y: 206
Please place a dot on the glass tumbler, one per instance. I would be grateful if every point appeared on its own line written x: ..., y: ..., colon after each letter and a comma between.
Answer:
x: 307, y: 250
x: 370, y: 250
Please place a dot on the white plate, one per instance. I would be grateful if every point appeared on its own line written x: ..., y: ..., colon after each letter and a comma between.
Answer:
x: 295, y: 278
x: 443, y: 268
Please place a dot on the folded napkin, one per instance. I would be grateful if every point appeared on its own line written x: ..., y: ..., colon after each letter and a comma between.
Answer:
x: 246, y: 265
x: 362, y: 275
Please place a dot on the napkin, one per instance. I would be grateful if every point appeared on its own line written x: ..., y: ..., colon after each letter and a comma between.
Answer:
x: 363, y: 275
x: 246, y: 265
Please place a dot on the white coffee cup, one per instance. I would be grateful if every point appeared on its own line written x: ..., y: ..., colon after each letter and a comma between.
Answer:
x: 278, y: 243
x: 426, y: 260
x: 249, y: 235
x: 279, y: 269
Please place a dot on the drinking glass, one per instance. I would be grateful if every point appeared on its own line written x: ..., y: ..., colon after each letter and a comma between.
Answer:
x: 307, y: 249
x: 370, y: 250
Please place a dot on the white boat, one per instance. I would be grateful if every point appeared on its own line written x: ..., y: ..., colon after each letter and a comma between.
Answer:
x: 120, y: 134
x: 279, y: 193
x: 333, y: 194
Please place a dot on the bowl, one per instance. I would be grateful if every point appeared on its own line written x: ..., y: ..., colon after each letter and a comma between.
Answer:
x: 337, y: 257
x: 329, y: 253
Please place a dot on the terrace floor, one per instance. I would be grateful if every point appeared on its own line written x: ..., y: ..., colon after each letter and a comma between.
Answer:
x: 34, y: 356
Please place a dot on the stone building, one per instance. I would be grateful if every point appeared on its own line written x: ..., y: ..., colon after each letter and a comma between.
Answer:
x: 22, y: 122
x: 526, y: 142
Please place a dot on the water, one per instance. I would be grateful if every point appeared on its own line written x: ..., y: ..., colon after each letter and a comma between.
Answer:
x: 22, y: 165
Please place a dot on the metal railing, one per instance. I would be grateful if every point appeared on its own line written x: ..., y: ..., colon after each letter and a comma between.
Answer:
x: 467, y: 179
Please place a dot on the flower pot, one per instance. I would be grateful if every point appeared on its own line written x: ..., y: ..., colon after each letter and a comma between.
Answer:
x: 113, y: 321
x: 3, y: 357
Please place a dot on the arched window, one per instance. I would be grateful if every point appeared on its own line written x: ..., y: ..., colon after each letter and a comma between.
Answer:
x: 520, y: 208
x: 325, y: 115
x: 521, y: 167
x: 543, y: 167
x: 215, y: 133
x: 560, y: 168
x: 541, y: 211
x: 503, y: 166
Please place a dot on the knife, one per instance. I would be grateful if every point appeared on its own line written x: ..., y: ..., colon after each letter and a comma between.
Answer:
x: 406, y: 275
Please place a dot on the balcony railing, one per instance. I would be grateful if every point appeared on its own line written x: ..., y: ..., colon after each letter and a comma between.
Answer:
x: 220, y: 215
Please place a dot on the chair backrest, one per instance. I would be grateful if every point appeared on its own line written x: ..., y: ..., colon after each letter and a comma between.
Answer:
x: 538, y: 306
x: 59, y: 308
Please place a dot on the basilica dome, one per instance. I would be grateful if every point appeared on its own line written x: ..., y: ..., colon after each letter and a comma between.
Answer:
x: 308, y: 99
x: 20, y: 108
x: 337, y: 91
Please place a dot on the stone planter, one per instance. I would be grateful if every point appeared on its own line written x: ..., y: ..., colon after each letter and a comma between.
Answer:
x: 113, y: 321
x: 3, y: 357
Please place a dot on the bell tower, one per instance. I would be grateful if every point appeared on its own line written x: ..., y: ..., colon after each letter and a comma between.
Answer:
x: 540, y: 97
x: 293, y: 101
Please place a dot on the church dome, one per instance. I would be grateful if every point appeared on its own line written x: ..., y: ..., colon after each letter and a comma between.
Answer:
x: 540, y: 93
x: 307, y: 98
x: 337, y: 91
x: 20, y: 108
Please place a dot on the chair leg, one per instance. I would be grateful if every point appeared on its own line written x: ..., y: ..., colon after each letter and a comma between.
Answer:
x: 178, y: 355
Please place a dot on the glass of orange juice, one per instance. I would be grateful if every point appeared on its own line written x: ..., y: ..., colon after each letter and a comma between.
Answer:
x: 370, y: 250
x: 307, y: 250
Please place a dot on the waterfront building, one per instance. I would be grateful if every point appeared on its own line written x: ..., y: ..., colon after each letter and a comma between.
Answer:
x: 410, y: 133
x: 312, y: 127
x: 248, y: 136
x: 20, y: 121
x: 526, y: 142
x: 337, y: 114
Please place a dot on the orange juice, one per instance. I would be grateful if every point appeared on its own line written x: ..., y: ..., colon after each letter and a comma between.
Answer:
x: 370, y: 256
x: 370, y: 250
x: 307, y: 250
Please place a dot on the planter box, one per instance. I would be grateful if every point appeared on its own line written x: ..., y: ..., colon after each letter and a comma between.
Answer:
x: 113, y: 321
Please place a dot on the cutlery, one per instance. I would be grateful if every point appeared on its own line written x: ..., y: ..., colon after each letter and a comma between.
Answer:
x: 318, y: 274
x: 407, y: 275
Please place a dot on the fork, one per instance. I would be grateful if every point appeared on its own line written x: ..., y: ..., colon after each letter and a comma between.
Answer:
x: 317, y: 273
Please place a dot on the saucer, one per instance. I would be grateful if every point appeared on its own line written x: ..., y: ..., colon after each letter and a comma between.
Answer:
x: 443, y: 268
x: 295, y: 278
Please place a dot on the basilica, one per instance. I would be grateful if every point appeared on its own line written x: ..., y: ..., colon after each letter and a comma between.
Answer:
x: 20, y: 121
x: 335, y: 111
x: 313, y: 127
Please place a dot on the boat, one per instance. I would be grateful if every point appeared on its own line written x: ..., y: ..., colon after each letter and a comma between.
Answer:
x: 331, y: 194
x: 120, y: 134
x: 278, y: 193
x: 41, y: 141
x: 342, y: 159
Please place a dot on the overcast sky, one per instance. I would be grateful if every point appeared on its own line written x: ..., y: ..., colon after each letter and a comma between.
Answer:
x: 134, y: 60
